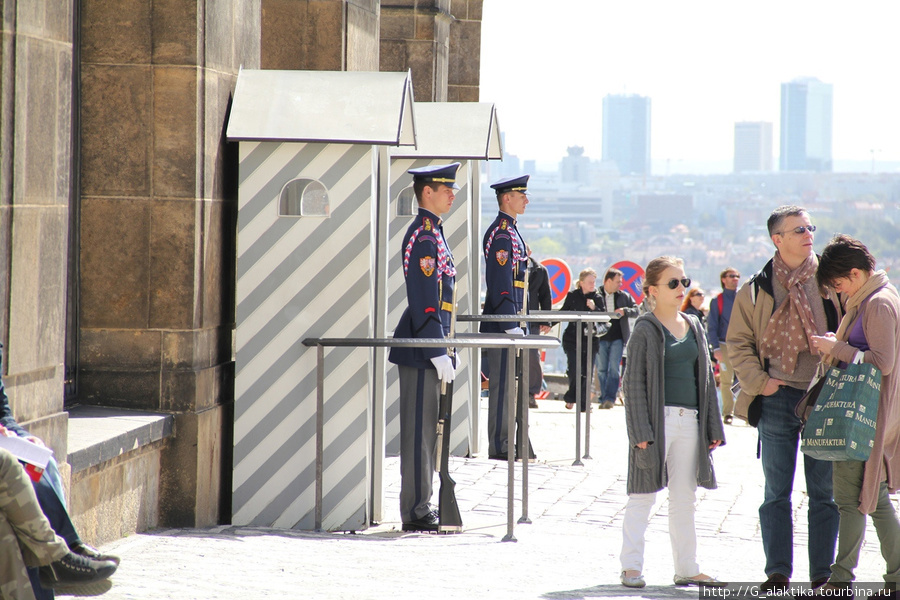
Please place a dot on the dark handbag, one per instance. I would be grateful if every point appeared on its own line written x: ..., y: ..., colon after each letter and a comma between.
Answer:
x: 806, y: 404
x: 841, y: 425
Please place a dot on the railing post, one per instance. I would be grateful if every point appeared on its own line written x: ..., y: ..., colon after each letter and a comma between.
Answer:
x: 578, y: 393
x: 320, y: 430
x: 510, y: 442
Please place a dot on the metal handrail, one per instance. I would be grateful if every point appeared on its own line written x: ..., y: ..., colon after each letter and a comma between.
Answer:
x: 542, y: 316
x: 499, y: 341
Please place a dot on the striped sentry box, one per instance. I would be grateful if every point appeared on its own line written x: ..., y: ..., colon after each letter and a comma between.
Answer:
x: 300, y: 277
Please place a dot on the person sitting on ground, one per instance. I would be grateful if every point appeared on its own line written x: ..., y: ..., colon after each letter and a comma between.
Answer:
x: 49, y: 491
x: 26, y: 538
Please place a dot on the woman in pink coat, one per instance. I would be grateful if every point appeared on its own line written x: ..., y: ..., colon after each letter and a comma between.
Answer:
x: 871, y: 325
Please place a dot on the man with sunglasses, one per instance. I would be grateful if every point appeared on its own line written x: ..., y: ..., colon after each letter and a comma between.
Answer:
x: 775, y: 315
x: 716, y: 329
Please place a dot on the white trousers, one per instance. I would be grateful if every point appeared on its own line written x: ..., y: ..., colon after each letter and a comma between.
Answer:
x: 682, y: 437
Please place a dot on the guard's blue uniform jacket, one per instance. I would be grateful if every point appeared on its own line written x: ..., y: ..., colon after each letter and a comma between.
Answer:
x: 505, y: 265
x: 430, y: 276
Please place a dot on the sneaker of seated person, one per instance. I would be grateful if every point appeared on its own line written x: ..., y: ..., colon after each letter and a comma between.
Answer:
x: 89, y: 551
x: 74, y: 570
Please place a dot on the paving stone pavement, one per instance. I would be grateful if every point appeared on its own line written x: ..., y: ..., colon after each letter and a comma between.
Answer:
x: 568, y: 552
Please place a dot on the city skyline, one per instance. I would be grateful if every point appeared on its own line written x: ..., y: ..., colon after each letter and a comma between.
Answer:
x: 704, y: 67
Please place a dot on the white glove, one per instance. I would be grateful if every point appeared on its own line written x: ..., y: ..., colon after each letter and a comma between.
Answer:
x: 515, y: 331
x: 444, y: 366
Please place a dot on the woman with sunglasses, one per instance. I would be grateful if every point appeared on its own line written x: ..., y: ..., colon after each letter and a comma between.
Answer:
x: 693, y: 305
x: 673, y: 422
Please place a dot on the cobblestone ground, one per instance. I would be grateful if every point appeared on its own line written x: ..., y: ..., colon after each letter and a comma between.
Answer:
x: 569, y: 551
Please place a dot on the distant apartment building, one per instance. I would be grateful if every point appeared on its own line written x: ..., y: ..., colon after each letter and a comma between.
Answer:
x: 806, y: 116
x: 752, y: 146
x: 626, y: 132
x: 575, y: 166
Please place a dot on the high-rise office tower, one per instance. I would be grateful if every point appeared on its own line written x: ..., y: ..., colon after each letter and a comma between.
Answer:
x: 752, y: 146
x: 626, y: 133
x: 806, y: 125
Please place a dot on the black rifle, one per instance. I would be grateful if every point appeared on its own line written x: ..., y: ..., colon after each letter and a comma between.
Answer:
x: 449, y: 520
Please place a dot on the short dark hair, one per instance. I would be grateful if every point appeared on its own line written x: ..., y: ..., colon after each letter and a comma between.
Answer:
x: 843, y: 254
x: 781, y: 213
x: 726, y: 272
x: 612, y: 273
x: 419, y: 187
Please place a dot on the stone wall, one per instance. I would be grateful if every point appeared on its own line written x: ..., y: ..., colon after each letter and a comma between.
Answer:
x: 440, y: 40
x: 35, y: 163
x: 320, y: 35
x: 139, y: 205
x: 158, y: 210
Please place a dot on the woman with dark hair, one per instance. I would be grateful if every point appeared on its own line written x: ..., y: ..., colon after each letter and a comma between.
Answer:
x: 673, y: 423
x: 871, y: 325
x: 580, y: 299
x: 693, y: 305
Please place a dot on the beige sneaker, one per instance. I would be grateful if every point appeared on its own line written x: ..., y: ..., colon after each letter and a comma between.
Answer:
x: 633, y: 581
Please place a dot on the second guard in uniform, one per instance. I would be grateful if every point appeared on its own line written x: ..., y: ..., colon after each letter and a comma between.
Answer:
x: 506, y: 262
x: 430, y: 276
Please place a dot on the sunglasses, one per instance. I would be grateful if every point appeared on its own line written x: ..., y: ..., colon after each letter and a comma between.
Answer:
x: 673, y: 283
x: 799, y: 230
x: 732, y: 276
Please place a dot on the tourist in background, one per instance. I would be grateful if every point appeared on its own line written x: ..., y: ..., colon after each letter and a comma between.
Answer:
x: 673, y: 423
x: 716, y: 330
x: 693, y: 305
x: 581, y: 299
x: 539, y: 298
x: 611, y: 299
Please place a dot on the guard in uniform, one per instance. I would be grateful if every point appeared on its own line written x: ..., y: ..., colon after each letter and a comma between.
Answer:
x: 506, y: 261
x: 430, y: 275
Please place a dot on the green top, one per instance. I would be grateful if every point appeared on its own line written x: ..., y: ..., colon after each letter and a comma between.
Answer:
x: 680, y: 369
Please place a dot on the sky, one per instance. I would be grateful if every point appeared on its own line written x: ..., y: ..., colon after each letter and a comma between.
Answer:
x: 704, y: 64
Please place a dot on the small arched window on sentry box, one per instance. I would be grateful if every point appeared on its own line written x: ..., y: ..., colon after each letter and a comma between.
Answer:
x: 406, y: 202
x: 304, y: 198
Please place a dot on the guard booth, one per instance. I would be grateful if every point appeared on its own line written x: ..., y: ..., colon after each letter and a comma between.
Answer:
x: 313, y: 151
x: 464, y: 132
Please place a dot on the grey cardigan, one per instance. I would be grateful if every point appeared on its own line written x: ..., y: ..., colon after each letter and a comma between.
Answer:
x: 644, y: 386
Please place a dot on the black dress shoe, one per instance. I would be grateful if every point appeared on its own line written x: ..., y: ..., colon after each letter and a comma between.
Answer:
x: 775, y: 584
x: 427, y: 523
x: 89, y: 551
x: 498, y: 456
x: 75, y: 570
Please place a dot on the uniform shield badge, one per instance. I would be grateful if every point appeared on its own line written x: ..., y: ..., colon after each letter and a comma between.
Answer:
x: 502, y: 257
x: 427, y: 265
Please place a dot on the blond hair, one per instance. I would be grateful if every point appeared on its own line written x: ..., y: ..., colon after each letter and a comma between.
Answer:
x: 584, y: 274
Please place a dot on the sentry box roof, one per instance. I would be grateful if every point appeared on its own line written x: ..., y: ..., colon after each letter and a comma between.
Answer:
x: 461, y: 130
x: 352, y: 107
